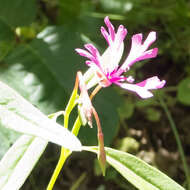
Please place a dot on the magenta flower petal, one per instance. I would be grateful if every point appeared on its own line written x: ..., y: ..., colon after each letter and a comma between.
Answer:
x: 142, y: 92
x: 112, y: 55
x: 142, y: 88
x: 136, y: 41
x: 147, y: 54
x: 139, y: 51
x: 152, y: 83
x: 93, y: 54
x: 111, y: 28
x: 112, y: 38
x: 120, y: 36
x: 149, y: 40
x: 110, y: 35
x: 92, y: 49
x: 106, y: 35
x: 83, y: 53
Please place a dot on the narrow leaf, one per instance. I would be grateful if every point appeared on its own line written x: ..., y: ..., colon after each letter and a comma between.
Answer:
x: 18, y: 114
x: 19, y: 161
x: 136, y: 171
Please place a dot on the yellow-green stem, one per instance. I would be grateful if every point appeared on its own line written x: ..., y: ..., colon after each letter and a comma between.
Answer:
x: 76, y: 127
x: 64, y: 155
x: 66, y: 120
x: 64, y: 152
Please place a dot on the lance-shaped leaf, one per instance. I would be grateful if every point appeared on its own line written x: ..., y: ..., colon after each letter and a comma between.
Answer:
x: 19, y: 161
x: 18, y: 114
x: 136, y: 171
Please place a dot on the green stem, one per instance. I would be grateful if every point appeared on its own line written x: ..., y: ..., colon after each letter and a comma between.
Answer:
x: 71, y: 104
x: 76, y: 126
x: 64, y: 155
x: 178, y: 141
x: 64, y: 152
x: 76, y: 185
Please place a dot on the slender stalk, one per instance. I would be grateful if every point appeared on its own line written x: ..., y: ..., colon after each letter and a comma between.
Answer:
x: 71, y: 104
x: 76, y: 185
x: 101, y: 151
x: 64, y: 152
x: 76, y: 126
x: 178, y: 141
x: 95, y: 91
x: 64, y: 155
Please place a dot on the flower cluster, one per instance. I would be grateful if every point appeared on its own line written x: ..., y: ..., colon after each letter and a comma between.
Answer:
x: 106, y: 67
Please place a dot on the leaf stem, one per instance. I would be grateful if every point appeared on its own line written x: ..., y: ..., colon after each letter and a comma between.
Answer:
x: 178, y: 141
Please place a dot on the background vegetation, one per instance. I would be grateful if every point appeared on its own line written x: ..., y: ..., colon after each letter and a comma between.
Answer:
x: 37, y: 58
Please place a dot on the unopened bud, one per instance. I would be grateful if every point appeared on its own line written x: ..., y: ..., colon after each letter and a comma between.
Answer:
x: 85, y: 108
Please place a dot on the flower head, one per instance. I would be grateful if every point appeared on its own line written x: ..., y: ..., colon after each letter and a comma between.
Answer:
x: 106, y: 67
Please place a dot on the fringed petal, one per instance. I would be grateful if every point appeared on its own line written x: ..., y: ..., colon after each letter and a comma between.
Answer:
x: 139, y: 51
x: 142, y: 92
x: 83, y: 53
x: 94, y: 55
x: 111, y: 28
x: 147, y: 55
x: 142, y: 88
x: 152, y: 83
x: 151, y: 38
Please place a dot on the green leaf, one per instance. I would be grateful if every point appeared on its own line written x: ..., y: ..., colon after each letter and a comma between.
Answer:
x: 18, y: 114
x: 18, y: 162
x: 6, y: 39
x: 61, y: 43
x: 18, y: 13
x: 7, y: 138
x: 6, y: 33
x: 116, y: 6
x: 136, y: 171
x: 26, y: 69
x: 183, y: 93
x: 78, y: 16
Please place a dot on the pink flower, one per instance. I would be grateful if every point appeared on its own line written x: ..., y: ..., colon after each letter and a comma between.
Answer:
x: 106, y: 67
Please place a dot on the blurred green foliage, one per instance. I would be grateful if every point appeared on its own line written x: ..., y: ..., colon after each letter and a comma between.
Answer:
x: 37, y: 58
